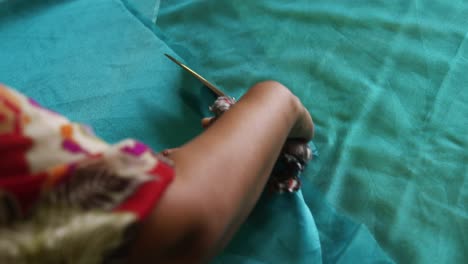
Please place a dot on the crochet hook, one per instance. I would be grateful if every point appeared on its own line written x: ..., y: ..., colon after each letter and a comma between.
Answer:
x: 211, y: 86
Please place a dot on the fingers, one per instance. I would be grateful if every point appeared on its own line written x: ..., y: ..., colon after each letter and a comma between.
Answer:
x: 168, y: 152
x: 207, y: 121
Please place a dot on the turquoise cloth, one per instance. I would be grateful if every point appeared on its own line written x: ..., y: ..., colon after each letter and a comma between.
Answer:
x: 387, y: 85
x: 102, y: 63
x: 96, y: 63
x: 385, y: 82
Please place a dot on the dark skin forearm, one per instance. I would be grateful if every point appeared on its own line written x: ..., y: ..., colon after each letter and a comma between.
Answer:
x: 221, y: 174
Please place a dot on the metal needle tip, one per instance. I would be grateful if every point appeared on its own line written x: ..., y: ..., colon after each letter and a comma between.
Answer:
x: 213, y: 88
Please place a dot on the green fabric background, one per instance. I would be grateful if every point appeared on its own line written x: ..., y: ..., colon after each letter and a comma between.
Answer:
x: 384, y: 80
x: 386, y: 83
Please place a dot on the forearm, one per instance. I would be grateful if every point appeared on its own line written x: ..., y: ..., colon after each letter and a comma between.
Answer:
x: 229, y: 164
x: 220, y: 175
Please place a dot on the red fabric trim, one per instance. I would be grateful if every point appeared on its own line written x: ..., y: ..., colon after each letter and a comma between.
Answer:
x: 149, y: 193
x: 13, y: 148
x: 25, y: 188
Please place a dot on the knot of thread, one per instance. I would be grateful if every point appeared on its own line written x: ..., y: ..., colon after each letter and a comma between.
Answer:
x: 221, y: 105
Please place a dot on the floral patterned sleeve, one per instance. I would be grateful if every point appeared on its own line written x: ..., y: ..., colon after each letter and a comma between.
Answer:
x: 65, y: 195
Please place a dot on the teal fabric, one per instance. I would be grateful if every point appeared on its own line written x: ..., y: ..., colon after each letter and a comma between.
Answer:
x: 96, y: 63
x: 386, y: 84
x: 384, y: 80
x: 102, y: 63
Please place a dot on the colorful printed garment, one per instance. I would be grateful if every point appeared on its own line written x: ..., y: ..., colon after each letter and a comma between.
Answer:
x: 65, y: 195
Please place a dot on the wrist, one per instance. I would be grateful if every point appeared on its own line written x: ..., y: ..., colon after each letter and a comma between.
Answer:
x: 273, y: 92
